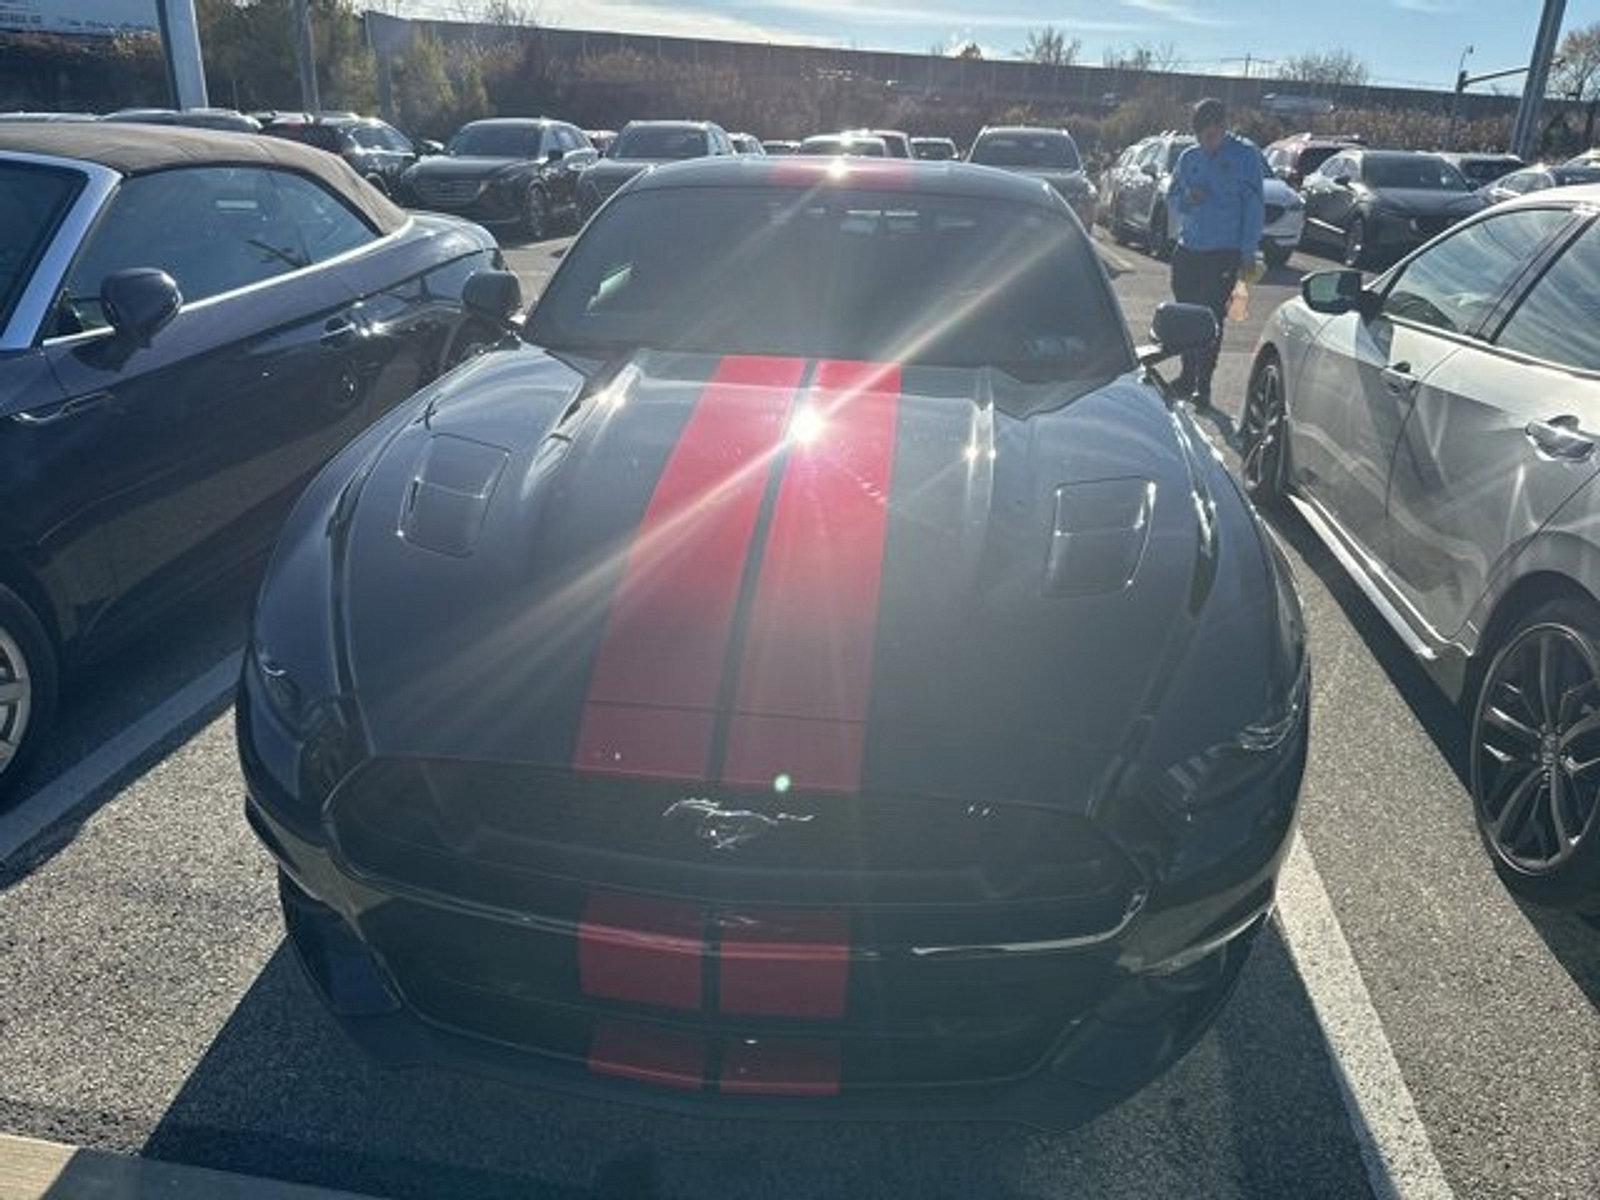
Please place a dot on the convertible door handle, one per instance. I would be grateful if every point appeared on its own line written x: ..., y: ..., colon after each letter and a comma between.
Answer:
x: 1399, y: 379
x: 1560, y: 438
x: 56, y: 413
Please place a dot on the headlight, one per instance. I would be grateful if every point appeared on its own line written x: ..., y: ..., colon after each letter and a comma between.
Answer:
x: 1221, y: 772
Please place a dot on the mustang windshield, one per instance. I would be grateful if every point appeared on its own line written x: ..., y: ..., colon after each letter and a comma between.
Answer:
x: 835, y: 273
x: 32, y: 201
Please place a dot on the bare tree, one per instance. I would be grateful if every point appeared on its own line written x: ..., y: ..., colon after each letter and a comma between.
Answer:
x: 1576, y: 72
x: 1144, y: 57
x: 1050, y: 47
x: 1336, y: 68
x: 970, y: 50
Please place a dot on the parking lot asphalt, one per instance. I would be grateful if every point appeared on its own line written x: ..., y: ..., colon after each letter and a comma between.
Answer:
x: 148, y: 1004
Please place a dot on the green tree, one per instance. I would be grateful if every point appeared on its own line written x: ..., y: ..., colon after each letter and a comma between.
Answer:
x: 423, y: 93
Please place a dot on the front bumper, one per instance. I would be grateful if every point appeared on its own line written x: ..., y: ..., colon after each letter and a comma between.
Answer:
x: 1287, y: 229
x: 1394, y: 232
x: 505, y: 982
x: 488, y: 204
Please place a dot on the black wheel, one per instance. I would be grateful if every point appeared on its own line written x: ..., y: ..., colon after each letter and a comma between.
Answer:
x: 1157, y: 242
x: 1276, y: 254
x: 1536, y: 756
x: 536, y: 214
x: 28, y: 682
x: 1264, y: 436
x: 1355, y: 244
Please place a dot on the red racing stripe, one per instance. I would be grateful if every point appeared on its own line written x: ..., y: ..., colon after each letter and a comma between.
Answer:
x: 644, y: 951
x: 668, y: 1057
x: 780, y: 1067
x: 806, y: 673
x: 653, y: 691
x: 785, y: 964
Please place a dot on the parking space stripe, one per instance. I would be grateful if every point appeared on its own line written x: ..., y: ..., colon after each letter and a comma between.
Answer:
x: 86, y: 778
x: 1399, y: 1158
x: 35, y: 1170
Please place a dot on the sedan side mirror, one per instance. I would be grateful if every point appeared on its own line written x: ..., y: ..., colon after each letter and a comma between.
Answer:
x: 428, y: 146
x: 139, y: 302
x: 493, y: 296
x: 1341, y: 181
x: 555, y: 156
x: 1333, y: 293
x: 1177, y: 329
x: 1151, y: 170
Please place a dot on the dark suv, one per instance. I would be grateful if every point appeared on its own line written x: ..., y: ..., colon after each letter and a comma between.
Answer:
x: 377, y: 151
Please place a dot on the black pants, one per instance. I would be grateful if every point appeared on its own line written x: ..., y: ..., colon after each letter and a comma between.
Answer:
x: 1203, y: 277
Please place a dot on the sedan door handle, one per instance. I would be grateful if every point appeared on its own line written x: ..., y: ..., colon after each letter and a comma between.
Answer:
x: 1560, y: 438
x: 339, y: 332
x: 1399, y: 379
x: 39, y: 417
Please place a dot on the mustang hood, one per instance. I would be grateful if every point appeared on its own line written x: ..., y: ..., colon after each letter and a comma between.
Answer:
x: 779, y: 573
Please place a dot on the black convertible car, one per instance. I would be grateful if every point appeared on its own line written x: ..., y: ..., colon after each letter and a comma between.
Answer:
x: 867, y: 696
x: 191, y: 324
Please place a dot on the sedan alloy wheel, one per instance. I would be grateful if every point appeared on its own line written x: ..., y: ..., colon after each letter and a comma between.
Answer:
x: 535, y: 214
x: 1536, y: 757
x: 1263, y: 432
x: 16, y: 697
x: 1355, y: 244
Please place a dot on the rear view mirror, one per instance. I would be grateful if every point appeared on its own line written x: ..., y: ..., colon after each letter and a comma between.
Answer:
x: 139, y: 302
x: 1178, y: 329
x: 1332, y: 293
x: 492, y: 296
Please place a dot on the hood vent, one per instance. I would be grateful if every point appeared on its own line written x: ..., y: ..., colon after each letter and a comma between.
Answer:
x: 448, y: 497
x: 1099, y: 536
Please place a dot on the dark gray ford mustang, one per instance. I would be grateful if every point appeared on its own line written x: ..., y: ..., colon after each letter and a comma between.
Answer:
x: 810, y: 668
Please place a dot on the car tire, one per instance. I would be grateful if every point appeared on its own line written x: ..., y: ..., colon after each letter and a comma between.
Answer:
x: 1156, y: 242
x: 1536, y: 755
x: 29, y: 680
x: 535, y: 214
x: 1276, y: 254
x: 1355, y: 244
x: 1264, y: 435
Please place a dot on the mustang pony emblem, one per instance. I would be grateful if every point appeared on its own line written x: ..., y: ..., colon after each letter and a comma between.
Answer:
x: 727, y: 828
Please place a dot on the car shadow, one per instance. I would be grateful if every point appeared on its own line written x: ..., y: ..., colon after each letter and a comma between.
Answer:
x: 1254, y: 1110
x: 1571, y: 939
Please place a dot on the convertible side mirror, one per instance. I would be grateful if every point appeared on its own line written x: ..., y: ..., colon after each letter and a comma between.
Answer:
x: 493, y: 296
x: 1333, y: 293
x: 1177, y: 329
x: 139, y: 302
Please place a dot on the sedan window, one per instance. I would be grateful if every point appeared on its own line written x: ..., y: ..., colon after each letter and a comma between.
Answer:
x: 662, y: 142
x: 1559, y: 320
x: 32, y: 202
x: 1456, y: 283
x: 213, y: 229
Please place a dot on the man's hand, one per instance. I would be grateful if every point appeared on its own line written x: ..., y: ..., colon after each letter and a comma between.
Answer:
x: 1252, y: 268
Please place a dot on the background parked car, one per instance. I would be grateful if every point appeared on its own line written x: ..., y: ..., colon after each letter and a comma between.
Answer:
x: 1047, y: 154
x: 896, y: 142
x: 375, y: 150
x: 195, y: 118
x: 1438, y: 430
x: 601, y: 139
x: 641, y: 145
x: 1541, y: 178
x: 192, y: 325
x: 780, y: 146
x: 507, y: 170
x: 1373, y: 205
x: 847, y: 145
x: 746, y: 143
x: 1483, y: 169
x: 47, y: 116
x: 1293, y: 158
x: 934, y: 149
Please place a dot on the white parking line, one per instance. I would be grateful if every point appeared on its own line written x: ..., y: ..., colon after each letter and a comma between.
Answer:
x: 1394, y: 1143
x: 78, y: 783
x: 1114, y: 260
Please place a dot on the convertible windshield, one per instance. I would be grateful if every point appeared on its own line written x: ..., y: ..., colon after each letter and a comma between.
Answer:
x: 32, y: 200
x: 496, y: 141
x: 1420, y: 171
x: 1027, y: 150
x: 660, y: 142
x: 939, y: 280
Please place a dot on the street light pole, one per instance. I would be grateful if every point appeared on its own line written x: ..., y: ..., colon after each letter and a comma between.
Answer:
x: 1544, y: 49
x: 180, y: 44
x: 305, y: 53
x: 1455, y: 100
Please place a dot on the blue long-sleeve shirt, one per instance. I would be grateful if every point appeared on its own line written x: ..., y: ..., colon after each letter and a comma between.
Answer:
x: 1218, y: 197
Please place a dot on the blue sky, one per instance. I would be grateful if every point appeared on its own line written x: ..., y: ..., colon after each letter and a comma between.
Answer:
x: 1402, y: 41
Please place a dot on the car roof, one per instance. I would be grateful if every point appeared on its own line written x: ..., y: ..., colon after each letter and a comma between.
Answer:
x: 659, y: 124
x: 896, y: 174
x: 1013, y: 129
x: 131, y: 149
x: 514, y: 122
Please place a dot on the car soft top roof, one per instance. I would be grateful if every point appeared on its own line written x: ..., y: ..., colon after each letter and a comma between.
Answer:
x: 131, y: 149
x: 883, y: 174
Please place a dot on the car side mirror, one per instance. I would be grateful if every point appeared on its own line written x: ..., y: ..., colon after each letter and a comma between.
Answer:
x: 139, y: 302
x: 493, y: 296
x: 1333, y: 293
x: 1177, y: 329
x: 428, y: 146
x: 1341, y: 181
x: 555, y: 156
x: 1150, y: 170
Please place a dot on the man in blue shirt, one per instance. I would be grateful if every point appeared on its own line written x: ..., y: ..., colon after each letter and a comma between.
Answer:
x: 1216, y: 194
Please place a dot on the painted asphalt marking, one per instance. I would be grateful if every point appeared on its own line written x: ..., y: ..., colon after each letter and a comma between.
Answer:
x: 1394, y: 1142
x: 35, y: 1170
x: 1114, y: 260
x: 87, y: 777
